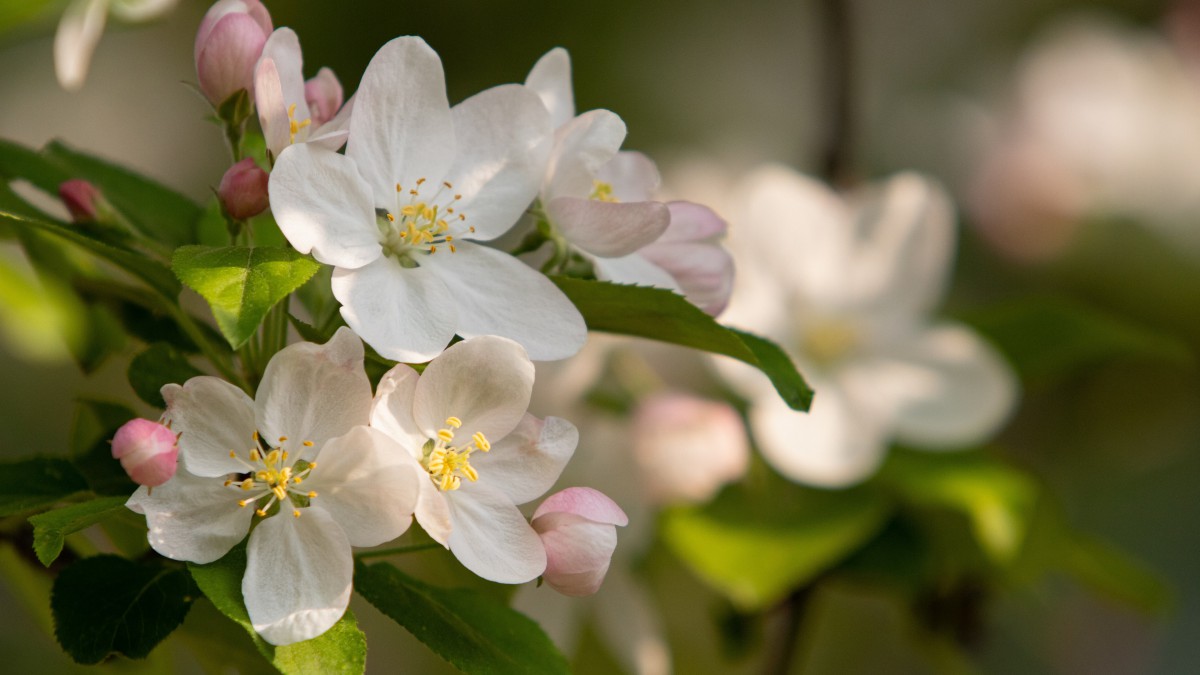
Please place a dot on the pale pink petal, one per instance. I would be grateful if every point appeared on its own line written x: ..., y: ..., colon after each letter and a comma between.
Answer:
x: 632, y: 175
x: 147, y: 451
x: 392, y: 409
x: 608, y: 229
x: 226, y: 61
x: 485, y: 382
x: 528, y: 461
x: 578, y: 551
x: 324, y: 96
x: 703, y: 272
x: 687, y: 448
x: 298, y: 576
x: 584, y: 502
x: 581, y: 147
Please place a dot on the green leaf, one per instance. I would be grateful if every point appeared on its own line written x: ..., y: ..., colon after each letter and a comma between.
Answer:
x: 107, y: 604
x: 665, y: 316
x: 96, y: 422
x: 17, y: 161
x: 470, y: 630
x: 242, y: 284
x: 157, y: 276
x: 37, y: 483
x: 160, y: 364
x: 341, y: 649
x: 1048, y: 339
x: 998, y: 500
x: 38, y: 319
x: 158, y: 212
x: 756, y: 544
x: 50, y: 528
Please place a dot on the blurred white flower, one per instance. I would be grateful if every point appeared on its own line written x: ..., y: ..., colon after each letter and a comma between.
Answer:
x: 602, y: 201
x: 846, y: 288
x: 242, y: 457
x: 1102, y: 123
x: 687, y: 448
x: 81, y: 27
x: 398, y: 215
x: 463, y: 422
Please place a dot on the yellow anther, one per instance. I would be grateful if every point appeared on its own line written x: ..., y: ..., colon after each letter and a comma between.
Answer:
x: 433, y: 249
x: 285, y: 455
x: 243, y: 502
x: 472, y: 228
x: 262, y: 513
x: 272, y: 458
x: 453, y: 422
x: 481, y: 441
x: 420, y: 181
x: 232, y: 454
x: 280, y: 491
x: 456, y: 197
x: 298, y: 480
x: 470, y: 472
x: 228, y: 483
x: 283, y: 439
x: 413, y: 193
x: 248, y: 484
x: 410, y: 210
x: 254, y: 436
x: 295, y: 513
x: 391, y: 218
x: 312, y: 495
x: 308, y: 444
x: 398, y: 188
x: 446, y: 435
x: 262, y: 475
x: 449, y: 237
x: 254, y: 454
x: 312, y: 466
x: 448, y: 185
x: 452, y: 249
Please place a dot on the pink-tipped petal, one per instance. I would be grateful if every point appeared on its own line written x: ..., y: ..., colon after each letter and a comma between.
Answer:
x: 147, y: 451
x: 586, y: 503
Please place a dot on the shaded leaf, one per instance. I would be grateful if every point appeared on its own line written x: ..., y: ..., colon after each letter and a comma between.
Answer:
x: 242, y: 284
x: 37, y: 483
x: 51, y: 528
x: 159, y: 364
x: 470, y: 630
x: 341, y: 649
x: 17, y: 161
x: 665, y: 316
x: 757, y: 544
x: 96, y: 422
x: 106, y: 604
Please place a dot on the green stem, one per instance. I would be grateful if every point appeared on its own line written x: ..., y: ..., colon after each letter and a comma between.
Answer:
x: 397, y: 551
x: 210, y: 351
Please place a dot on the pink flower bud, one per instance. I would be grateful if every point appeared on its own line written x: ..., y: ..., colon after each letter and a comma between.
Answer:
x: 243, y: 190
x: 686, y: 448
x: 81, y: 198
x: 577, y: 528
x: 690, y: 252
x: 324, y: 96
x: 228, y: 44
x: 147, y: 451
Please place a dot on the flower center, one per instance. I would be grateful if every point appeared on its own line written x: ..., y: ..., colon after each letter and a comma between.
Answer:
x: 294, y: 125
x: 448, y: 464
x: 603, y: 192
x: 420, y: 224
x: 270, y: 473
x: 829, y: 340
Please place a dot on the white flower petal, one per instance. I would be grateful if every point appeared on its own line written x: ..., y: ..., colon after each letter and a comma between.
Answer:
x: 333, y: 134
x: 504, y: 139
x: 298, y: 576
x: 75, y: 41
x: 192, y: 518
x: 496, y: 294
x: 948, y: 388
x: 550, y: 78
x: 485, y: 382
x: 368, y: 483
x: 433, y: 512
x: 392, y: 409
x: 632, y: 175
x: 527, y: 462
x: 141, y: 10
x: 212, y: 417
x: 272, y: 109
x: 406, y: 314
x: 491, y: 537
x: 281, y: 68
x: 834, y: 444
x: 401, y: 129
x: 608, y: 229
x: 581, y: 147
x: 324, y: 206
x: 313, y: 393
x: 634, y: 269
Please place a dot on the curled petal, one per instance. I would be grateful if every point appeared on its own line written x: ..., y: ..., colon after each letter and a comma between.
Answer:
x: 581, y: 147
x: 147, y: 451
x: 632, y: 175
x: 212, y: 418
x: 324, y: 96
x: 78, y: 33
x: 392, y: 409
x: 550, y: 78
x: 608, y: 229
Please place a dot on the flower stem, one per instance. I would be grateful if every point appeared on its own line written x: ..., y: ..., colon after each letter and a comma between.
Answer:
x: 397, y: 551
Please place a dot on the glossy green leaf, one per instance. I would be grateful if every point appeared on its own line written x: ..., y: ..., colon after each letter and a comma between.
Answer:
x: 156, y: 211
x: 1048, y: 339
x: 51, y: 528
x: 996, y: 498
x: 665, y: 316
x: 242, y: 284
x: 159, y: 364
x: 37, y: 483
x: 106, y: 604
x: 470, y: 630
x: 341, y: 649
x: 757, y: 544
x: 157, y: 276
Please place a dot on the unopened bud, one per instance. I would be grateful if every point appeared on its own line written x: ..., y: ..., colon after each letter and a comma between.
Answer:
x: 81, y: 198
x: 228, y: 44
x: 147, y: 451
x: 577, y: 527
x: 243, y: 190
x: 691, y: 253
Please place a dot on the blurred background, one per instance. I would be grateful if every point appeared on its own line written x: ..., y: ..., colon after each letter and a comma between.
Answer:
x: 1067, y: 132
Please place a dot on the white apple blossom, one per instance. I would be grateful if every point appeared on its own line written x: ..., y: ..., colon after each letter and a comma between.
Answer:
x: 82, y: 25
x: 301, y: 459
x: 846, y: 288
x: 282, y: 98
x: 601, y: 201
x: 463, y: 422
x: 399, y: 214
